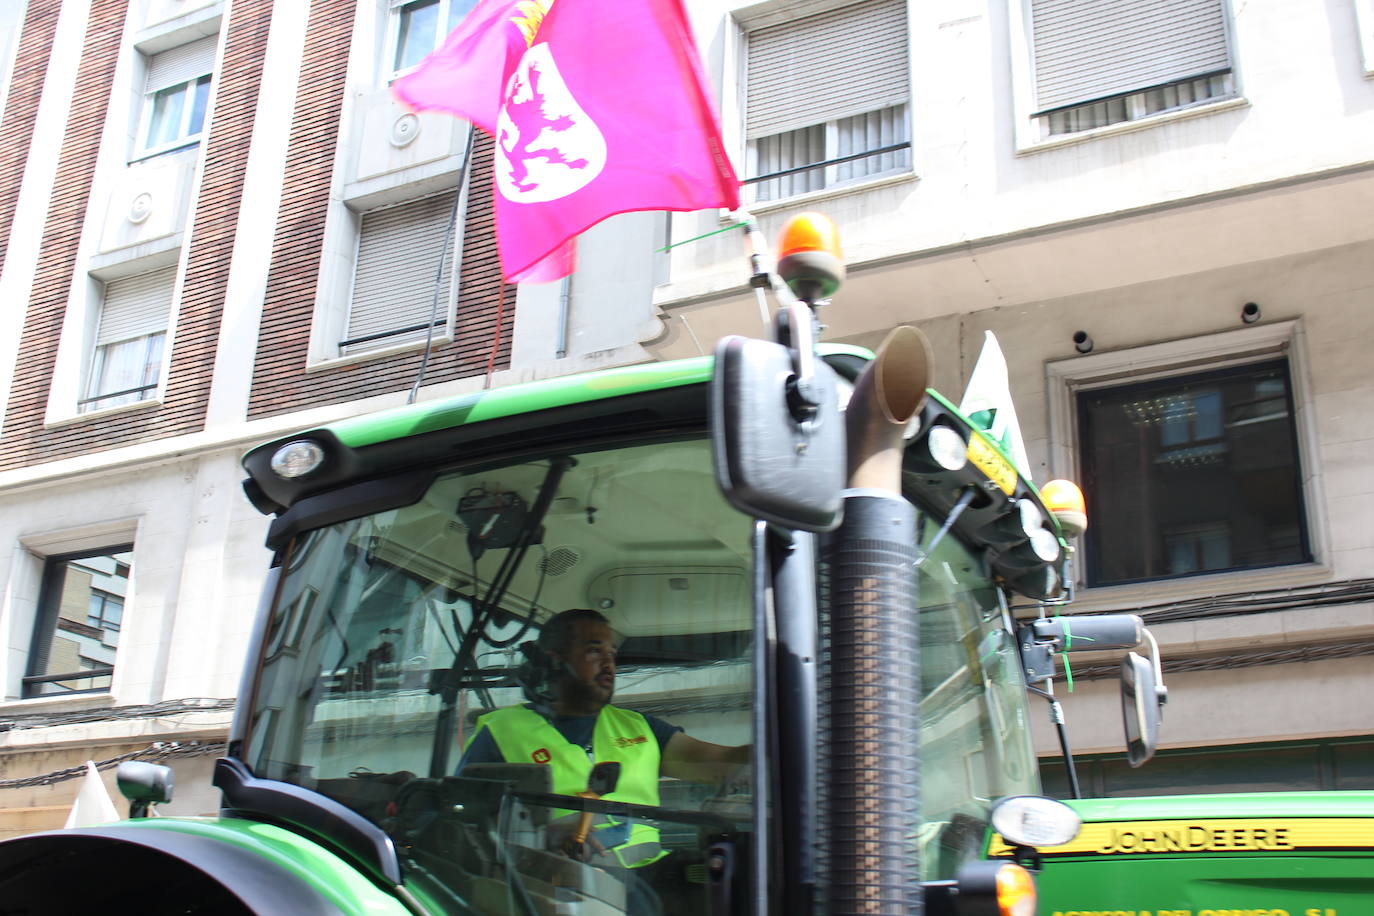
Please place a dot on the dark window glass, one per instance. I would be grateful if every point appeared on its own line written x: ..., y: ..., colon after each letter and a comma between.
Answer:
x: 418, y: 32
x: 1323, y: 765
x: 1354, y: 765
x: 1271, y: 769
x: 1192, y: 474
x: 76, y: 633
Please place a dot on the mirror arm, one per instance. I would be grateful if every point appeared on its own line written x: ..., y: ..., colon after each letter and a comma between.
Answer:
x: 1161, y: 692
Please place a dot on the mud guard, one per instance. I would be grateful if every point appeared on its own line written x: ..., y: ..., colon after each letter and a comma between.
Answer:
x: 131, y: 870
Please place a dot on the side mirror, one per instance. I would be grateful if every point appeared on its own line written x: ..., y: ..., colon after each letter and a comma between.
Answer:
x: 770, y: 464
x: 1142, y: 701
x: 144, y: 784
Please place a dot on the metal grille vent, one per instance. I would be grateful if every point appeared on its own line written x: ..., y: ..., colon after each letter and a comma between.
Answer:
x: 559, y: 561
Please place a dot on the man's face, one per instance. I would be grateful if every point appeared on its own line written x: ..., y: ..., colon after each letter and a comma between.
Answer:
x: 590, y: 665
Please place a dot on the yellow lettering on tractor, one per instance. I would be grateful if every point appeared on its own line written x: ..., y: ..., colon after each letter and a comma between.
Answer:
x: 1171, y: 837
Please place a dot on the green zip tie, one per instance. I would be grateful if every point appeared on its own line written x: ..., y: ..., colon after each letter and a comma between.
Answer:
x: 700, y: 237
x: 1068, y: 643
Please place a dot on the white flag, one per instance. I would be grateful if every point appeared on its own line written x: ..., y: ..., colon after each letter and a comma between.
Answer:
x: 987, y: 402
x: 92, y: 805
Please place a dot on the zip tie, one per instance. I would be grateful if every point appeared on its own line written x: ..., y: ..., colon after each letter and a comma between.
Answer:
x: 698, y: 238
x: 1068, y: 643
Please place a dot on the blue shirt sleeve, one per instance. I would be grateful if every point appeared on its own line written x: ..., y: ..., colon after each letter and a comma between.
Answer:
x: 663, y: 731
x: 481, y: 749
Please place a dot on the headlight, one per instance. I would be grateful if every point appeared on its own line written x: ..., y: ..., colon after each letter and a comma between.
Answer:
x: 1033, y: 820
x: 296, y: 459
x: 947, y: 448
x: 1045, y: 544
x: 1032, y: 519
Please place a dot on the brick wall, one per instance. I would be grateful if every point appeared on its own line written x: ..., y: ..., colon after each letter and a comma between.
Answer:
x: 24, y: 439
x: 21, y: 108
x: 280, y: 382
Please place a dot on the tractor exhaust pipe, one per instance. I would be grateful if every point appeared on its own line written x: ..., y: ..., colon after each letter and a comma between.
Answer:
x: 887, y: 395
x: 870, y: 727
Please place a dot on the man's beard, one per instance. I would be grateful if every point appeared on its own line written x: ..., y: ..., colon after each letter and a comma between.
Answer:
x: 576, y: 693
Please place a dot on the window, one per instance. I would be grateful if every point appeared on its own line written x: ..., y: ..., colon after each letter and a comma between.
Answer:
x: 826, y: 99
x: 127, y: 359
x: 420, y: 26
x: 1103, y: 63
x: 77, y: 630
x: 1191, y: 474
x: 176, y: 93
x: 1321, y: 765
x: 404, y: 279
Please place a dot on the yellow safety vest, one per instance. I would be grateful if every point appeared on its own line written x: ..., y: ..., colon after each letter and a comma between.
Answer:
x: 620, y: 735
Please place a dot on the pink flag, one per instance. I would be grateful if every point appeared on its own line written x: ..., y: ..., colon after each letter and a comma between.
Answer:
x: 598, y: 107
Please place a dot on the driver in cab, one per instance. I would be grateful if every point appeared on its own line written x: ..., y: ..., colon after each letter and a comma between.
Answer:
x: 570, y: 725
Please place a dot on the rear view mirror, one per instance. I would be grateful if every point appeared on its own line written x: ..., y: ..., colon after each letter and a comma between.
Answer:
x: 769, y: 464
x: 1142, y: 697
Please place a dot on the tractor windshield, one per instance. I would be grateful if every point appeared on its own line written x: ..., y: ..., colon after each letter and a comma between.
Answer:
x: 412, y: 673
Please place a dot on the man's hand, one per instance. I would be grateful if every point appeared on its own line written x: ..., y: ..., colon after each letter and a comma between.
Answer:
x: 685, y: 757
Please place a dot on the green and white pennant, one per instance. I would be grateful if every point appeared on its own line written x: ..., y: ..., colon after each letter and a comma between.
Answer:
x: 987, y: 403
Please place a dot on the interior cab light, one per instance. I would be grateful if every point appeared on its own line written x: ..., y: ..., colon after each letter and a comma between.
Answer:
x: 1065, y: 502
x: 809, y: 256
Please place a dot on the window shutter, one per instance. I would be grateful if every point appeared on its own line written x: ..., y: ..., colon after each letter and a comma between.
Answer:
x: 136, y: 306
x: 180, y: 64
x: 1086, y: 50
x: 826, y: 66
x: 399, y: 251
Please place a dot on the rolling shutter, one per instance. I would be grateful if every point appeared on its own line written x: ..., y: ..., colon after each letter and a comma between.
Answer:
x: 1086, y: 50
x: 180, y: 64
x: 826, y: 66
x: 136, y: 306
x: 399, y: 251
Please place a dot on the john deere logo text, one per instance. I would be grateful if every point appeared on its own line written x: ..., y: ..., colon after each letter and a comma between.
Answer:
x: 541, y: 756
x: 626, y: 742
x: 1196, y: 838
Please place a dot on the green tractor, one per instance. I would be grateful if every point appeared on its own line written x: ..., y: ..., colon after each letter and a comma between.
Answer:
x: 806, y: 561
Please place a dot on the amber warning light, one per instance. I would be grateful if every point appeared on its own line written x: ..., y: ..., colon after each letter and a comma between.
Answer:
x: 1065, y: 502
x: 809, y: 257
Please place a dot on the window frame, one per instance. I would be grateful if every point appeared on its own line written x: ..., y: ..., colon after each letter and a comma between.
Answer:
x: 1032, y: 130
x: 96, y: 352
x: 143, y: 146
x: 1066, y: 378
x: 1364, y: 29
x: 445, y: 314
x: 44, y: 629
x: 395, y: 12
x: 748, y: 20
x: 1200, y: 378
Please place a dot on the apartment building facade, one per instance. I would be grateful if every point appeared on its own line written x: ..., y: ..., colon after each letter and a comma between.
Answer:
x: 1165, y: 213
x: 217, y: 226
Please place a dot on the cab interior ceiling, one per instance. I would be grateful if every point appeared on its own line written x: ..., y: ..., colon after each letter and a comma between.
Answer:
x: 648, y: 542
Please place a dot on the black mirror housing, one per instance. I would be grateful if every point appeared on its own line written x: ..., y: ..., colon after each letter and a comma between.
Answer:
x: 770, y: 464
x: 1141, y: 697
